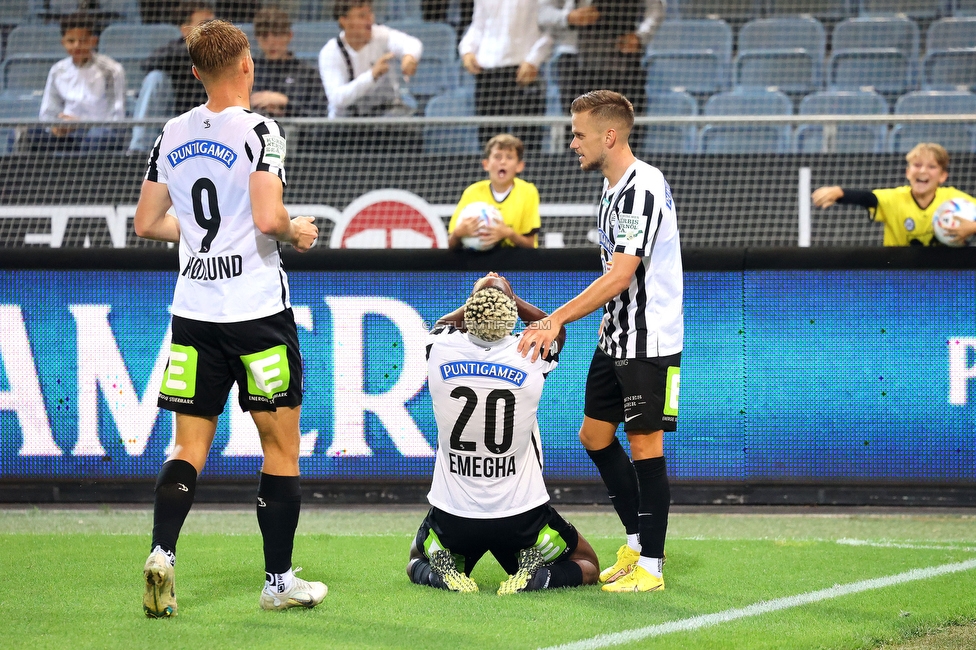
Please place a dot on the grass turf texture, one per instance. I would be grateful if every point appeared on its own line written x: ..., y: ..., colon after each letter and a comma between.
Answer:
x: 72, y: 579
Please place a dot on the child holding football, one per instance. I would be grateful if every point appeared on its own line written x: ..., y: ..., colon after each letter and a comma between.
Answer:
x: 516, y: 199
x: 906, y: 211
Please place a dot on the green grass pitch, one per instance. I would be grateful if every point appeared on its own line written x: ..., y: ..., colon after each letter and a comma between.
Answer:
x: 72, y: 579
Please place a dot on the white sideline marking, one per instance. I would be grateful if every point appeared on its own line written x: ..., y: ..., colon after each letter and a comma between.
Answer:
x: 762, y: 607
x: 917, y: 547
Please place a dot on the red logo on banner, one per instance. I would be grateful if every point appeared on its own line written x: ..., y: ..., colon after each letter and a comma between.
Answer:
x: 389, y: 219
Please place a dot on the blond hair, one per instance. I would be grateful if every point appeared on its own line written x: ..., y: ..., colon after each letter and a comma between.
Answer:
x: 936, y: 150
x: 606, y: 106
x: 214, y: 46
x: 505, y: 142
x: 490, y: 314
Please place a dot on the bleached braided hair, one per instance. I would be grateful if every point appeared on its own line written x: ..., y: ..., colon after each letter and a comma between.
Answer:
x: 490, y: 314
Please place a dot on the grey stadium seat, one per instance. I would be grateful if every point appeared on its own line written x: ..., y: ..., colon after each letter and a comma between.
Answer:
x: 669, y: 138
x: 952, y: 136
x: 786, y: 53
x: 876, y: 52
x: 849, y: 138
x: 452, y: 139
x: 746, y: 138
x: 950, y: 57
x: 693, y: 55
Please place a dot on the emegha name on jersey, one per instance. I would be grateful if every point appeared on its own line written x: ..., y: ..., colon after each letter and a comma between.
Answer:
x: 482, y: 466
x: 482, y: 369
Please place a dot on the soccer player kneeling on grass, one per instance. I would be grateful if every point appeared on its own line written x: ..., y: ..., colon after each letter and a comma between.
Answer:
x: 488, y: 494
x: 232, y: 318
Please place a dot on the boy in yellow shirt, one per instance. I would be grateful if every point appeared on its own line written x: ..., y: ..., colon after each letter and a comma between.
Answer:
x: 516, y: 199
x: 906, y: 211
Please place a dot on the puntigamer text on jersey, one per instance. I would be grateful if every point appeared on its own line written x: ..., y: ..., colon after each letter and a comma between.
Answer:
x: 208, y: 148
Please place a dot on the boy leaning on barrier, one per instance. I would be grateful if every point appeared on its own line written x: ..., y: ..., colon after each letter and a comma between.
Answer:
x: 906, y: 211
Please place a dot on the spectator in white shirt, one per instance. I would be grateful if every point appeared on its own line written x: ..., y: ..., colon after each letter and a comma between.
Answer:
x: 504, y: 48
x: 356, y: 66
x: 85, y: 86
x: 600, y: 45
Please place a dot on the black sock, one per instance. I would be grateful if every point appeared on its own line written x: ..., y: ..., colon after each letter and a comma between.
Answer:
x: 618, y: 475
x: 565, y: 574
x: 279, y: 504
x: 655, y: 502
x: 421, y: 574
x: 176, y: 484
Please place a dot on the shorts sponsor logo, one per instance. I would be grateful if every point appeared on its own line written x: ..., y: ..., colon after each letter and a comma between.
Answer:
x: 268, y: 373
x: 180, y: 378
x: 206, y: 148
x: 671, y: 391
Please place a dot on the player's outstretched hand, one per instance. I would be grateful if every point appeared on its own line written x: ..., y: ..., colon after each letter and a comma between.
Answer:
x: 538, y: 336
x: 824, y: 197
x: 304, y: 233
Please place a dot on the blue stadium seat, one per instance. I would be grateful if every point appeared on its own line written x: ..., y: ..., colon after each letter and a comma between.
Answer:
x: 403, y: 10
x: 669, y: 138
x: 910, y: 8
x: 310, y: 37
x: 950, y: 59
x: 25, y: 74
x: 746, y: 138
x: 963, y: 7
x: 738, y: 10
x: 848, y: 138
x: 130, y: 44
x: 693, y: 55
x: 874, y: 52
x: 155, y: 100
x: 451, y: 139
x: 438, y: 69
x: 123, y: 10
x: 822, y: 9
x: 34, y: 38
x: 13, y: 107
x: 14, y: 12
x: 786, y: 53
x: 952, y: 136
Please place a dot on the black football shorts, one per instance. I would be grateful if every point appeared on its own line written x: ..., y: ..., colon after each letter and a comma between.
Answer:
x: 641, y: 393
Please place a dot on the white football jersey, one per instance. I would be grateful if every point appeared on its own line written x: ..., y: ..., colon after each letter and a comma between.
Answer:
x: 489, y: 452
x: 229, y: 270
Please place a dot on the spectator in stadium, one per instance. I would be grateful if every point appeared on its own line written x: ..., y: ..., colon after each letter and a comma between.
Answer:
x: 635, y: 371
x: 356, y: 66
x: 517, y: 200
x: 600, y: 44
x: 487, y: 494
x: 283, y: 85
x: 231, y: 316
x: 83, y: 86
x: 174, y: 60
x: 905, y: 211
x: 503, y: 48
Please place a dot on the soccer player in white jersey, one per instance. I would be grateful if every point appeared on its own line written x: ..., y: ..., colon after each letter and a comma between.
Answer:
x: 487, y: 493
x: 635, y: 371
x: 220, y: 167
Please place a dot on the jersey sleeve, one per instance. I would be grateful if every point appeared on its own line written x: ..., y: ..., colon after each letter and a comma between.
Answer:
x: 156, y: 170
x: 265, y: 147
x: 885, y: 199
x: 638, y: 218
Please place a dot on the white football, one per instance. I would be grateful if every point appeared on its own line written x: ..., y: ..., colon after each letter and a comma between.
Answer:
x: 948, y: 215
x: 486, y: 214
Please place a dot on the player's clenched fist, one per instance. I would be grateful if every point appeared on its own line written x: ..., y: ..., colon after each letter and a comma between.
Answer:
x: 824, y: 197
x: 304, y: 233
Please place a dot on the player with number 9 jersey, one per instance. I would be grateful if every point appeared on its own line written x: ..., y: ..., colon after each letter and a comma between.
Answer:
x: 229, y: 270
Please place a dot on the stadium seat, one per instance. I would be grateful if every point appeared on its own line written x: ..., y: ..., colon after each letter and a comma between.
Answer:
x: 785, y: 53
x: 735, y: 10
x: 117, y: 10
x: 746, y: 138
x: 953, y: 136
x: 14, y: 12
x: 847, y: 138
x: 155, y: 100
x: 822, y: 9
x: 963, y: 7
x: 691, y: 55
x: 34, y: 38
x: 950, y: 54
x: 437, y: 71
x: 11, y: 107
x: 130, y: 44
x: 404, y: 10
x: 874, y: 52
x: 448, y: 138
x: 669, y: 138
x: 910, y: 8
x: 25, y: 74
x: 310, y: 37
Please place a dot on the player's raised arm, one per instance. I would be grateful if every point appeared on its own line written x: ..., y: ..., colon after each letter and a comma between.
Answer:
x: 152, y: 221
x: 271, y: 217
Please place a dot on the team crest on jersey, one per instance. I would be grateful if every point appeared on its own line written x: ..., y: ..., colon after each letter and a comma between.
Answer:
x: 206, y: 148
x: 909, y: 224
x: 614, y: 216
x: 455, y: 369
